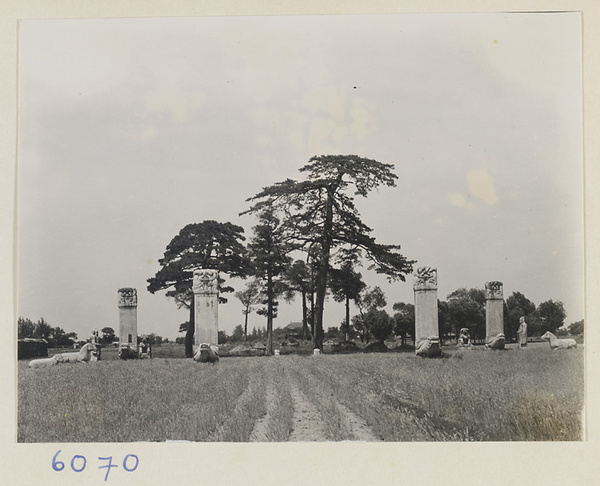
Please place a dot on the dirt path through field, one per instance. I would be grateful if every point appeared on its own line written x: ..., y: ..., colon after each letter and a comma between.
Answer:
x: 358, y: 427
x: 308, y: 425
x: 259, y: 432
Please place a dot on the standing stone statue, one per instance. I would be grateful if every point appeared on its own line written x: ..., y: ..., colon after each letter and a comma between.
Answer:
x: 127, y: 323
x: 522, y: 333
x: 206, y: 318
x: 95, y: 340
x: 427, y: 342
x: 494, y: 315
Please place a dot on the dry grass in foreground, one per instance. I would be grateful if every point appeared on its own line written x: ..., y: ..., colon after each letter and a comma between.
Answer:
x: 470, y: 395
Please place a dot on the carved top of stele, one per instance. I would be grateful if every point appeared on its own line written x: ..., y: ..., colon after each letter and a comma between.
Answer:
x: 127, y: 297
x: 206, y: 281
x: 425, y: 278
x: 493, y: 290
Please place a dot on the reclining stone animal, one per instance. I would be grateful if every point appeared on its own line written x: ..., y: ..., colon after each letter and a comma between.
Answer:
x: 428, y: 347
x: 127, y: 351
x: 45, y: 362
x: 83, y: 356
x: 496, y: 342
x: 556, y: 343
x: 207, y: 353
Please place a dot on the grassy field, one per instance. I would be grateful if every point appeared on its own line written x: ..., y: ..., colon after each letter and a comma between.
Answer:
x: 475, y: 395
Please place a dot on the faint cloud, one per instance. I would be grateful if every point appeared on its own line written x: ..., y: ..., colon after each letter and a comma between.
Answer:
x: 362, y: 123
x: 149, y: 133
x: 457, y: 199
x: 327, y: 100
x: 321, y: 131
x: 275, y: 126
x: 177, y: 103
x: 481, y: 185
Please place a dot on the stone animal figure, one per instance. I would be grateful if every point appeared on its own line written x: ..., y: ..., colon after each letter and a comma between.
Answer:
x: 556, y: 343
x: 83, y: 356
x: 45, y: 362
x: 496, y: 342
x: 428, y: 347
x: 127, y: 351
x: 464, y: 338
x: 207, y: 353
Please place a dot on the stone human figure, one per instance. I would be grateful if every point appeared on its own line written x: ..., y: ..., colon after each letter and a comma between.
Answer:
x: 464, y: 338
x: 95, y: 340
x: 522, y: 333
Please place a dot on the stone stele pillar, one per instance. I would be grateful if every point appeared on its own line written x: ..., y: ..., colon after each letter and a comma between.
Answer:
x: 494, y: 310
x: 206, y: 306
x: 128, y: 317
x: 426, y: 308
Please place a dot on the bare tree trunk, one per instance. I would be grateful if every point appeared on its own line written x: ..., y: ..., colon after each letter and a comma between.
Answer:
x: 269, y: 314
x: 304, y: 317
x: 347, y: 330
x: 189, y: 335
x: 323, y: 270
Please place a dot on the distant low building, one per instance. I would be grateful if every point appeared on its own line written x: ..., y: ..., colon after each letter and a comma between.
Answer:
x: 32, y: 348
x: 294, y: 330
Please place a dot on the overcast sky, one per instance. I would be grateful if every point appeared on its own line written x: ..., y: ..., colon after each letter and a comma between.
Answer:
x: 130, y: 129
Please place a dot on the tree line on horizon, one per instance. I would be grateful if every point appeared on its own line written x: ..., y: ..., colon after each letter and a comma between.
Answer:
x: 56, y: 337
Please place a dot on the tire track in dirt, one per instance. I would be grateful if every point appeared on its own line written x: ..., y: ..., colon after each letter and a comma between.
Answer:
x: 260, y: 430
x: 358, y: 427
x: 308, y: 424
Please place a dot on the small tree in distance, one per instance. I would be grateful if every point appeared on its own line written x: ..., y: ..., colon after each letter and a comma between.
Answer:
x: 576, y: 327
x: 249, y: 297
x: 108, y: 335
x: 298, y: 278
x: 269, y: 255
x: 25, y: 328
x: 238, y: 333
x: 380, y: 324
x: 404, y: 320
x: 346, y: 285
x: 369, y: 303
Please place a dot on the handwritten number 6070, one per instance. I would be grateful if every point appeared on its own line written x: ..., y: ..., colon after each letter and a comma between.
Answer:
x: 78, y: 463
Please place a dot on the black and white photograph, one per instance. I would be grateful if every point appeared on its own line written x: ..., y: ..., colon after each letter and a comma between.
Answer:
x: 334, y: 231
